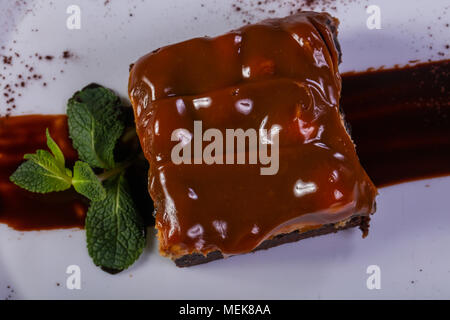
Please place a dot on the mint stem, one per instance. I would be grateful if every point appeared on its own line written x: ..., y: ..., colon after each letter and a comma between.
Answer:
x: 119, y: 168
x: 130, y: 133
x: 116, y: 170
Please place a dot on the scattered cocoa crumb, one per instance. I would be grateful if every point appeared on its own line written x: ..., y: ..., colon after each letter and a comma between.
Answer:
x: 67, y: 54
x: 7, y: 60
x: 24, y: 73
x: 254, y: 10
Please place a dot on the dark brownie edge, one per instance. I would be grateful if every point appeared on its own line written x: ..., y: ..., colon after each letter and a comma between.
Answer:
x: 357, y: 221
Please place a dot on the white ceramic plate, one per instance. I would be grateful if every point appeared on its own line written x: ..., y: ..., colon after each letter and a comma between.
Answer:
x: 409, y: 234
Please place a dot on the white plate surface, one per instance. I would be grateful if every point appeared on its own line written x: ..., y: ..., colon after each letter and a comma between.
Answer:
x: 409, y: 234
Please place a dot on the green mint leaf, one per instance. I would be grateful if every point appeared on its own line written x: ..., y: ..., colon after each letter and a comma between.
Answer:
x: 42, y: 173
x: 94, y: 125
x: 115, y: 231
x: 54, y: 148
x: 86, y: 182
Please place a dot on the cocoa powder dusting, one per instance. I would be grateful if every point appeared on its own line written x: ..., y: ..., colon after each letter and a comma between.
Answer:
x: 20, y: 71
x: 251, y: 10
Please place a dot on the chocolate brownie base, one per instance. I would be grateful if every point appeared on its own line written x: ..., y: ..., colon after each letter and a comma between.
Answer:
x: 358, y: 221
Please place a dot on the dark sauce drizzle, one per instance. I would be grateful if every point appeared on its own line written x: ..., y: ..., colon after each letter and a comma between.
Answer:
x: 400, y: 122
x: 23, y: 210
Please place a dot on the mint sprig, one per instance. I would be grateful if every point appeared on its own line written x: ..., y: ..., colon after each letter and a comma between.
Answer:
x: 56, y: 151
x: 94, y: 126
x: 86, y: 182
x: 41, y: 173
x: 114, y: 228
x: 46, y: 172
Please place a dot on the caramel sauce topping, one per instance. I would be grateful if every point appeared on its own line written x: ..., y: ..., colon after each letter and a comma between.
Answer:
x: 281, y: 73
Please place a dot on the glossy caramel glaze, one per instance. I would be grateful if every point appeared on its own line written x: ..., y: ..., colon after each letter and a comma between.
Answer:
x: 281, y: 72
x: 23, y: 210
